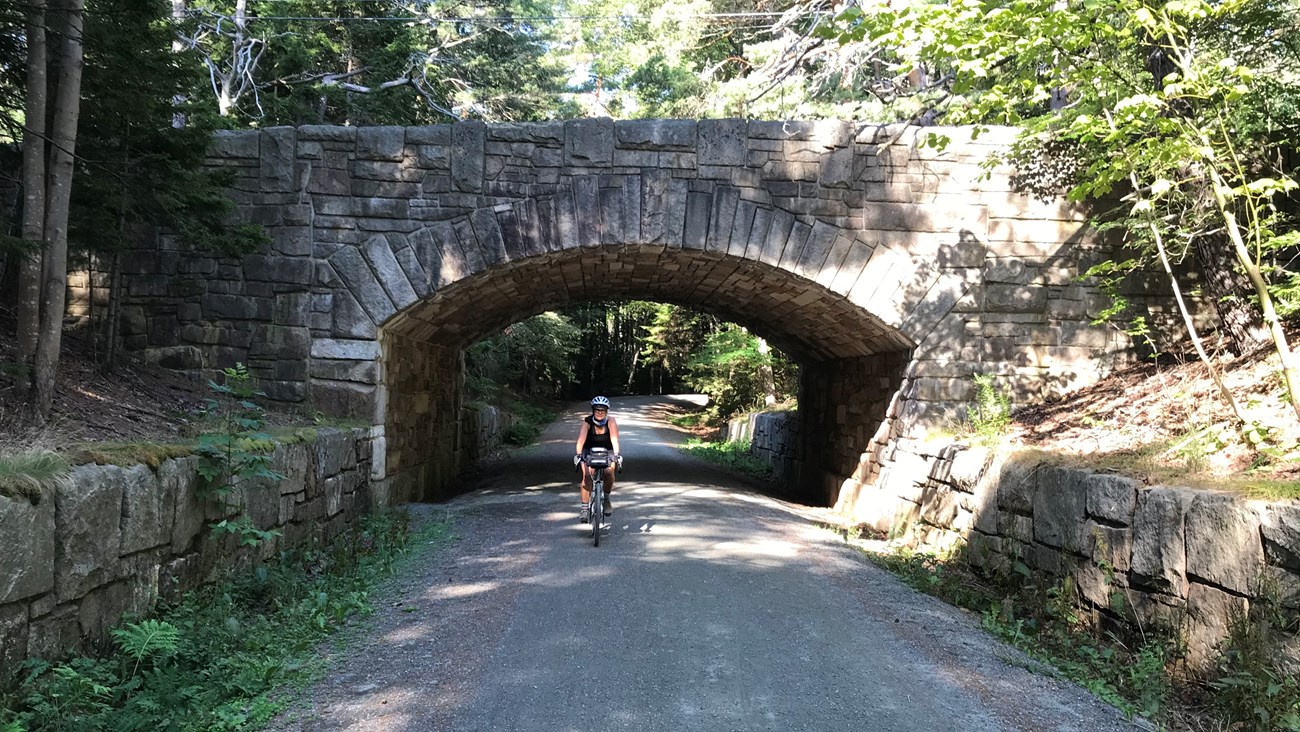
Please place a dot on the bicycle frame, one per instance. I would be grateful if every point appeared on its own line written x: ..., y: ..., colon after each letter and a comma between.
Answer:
x: 599, y: 460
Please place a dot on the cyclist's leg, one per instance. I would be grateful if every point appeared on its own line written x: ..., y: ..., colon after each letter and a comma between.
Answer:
x: 608, y: 507
x: 585, y: 486
x: 584, y: 489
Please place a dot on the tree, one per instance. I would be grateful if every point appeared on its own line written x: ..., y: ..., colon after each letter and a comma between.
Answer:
x: 55, y: 184
x: 334, y: 62
x: 534, y: 358
x: 652, y: 58
x: 1193, y: 146
x: 30, y: 258
x: 137, y: 172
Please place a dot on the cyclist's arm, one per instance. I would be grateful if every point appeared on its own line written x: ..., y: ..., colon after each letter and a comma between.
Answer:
x: 582, y: 437
x: 613, y: 435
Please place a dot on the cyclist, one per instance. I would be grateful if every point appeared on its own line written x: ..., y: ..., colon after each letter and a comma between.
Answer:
x: 598, y: 430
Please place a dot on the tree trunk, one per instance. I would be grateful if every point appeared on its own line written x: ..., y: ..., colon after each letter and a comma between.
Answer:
x: 33, y: 230
x: 765, y: 374
x: 179, y: 9
x: 114, y: 316
x: 1230, y: 290
x: 63, y: 139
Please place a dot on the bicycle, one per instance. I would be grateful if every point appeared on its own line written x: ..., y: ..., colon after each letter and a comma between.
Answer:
x: 599, y: 460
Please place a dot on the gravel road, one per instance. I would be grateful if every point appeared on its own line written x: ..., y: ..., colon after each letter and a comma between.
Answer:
x: 707, y: 606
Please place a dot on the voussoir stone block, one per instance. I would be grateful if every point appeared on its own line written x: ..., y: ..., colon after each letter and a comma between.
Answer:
x: 87, y: 516
x: 27, y: 560
x: 1223, y: 542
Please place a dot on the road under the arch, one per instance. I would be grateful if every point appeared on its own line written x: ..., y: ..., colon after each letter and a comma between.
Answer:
x: 707, y: 607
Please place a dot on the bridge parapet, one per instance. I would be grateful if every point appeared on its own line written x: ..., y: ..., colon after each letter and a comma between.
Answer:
x: 892, y: 270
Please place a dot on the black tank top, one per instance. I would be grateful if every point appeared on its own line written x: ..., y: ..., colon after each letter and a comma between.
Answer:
x: 595, y: 439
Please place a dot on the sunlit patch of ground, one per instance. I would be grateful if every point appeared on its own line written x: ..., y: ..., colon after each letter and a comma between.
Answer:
x: 1169, y: 420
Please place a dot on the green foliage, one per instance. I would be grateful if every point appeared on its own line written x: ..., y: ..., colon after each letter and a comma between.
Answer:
x: 533, y: 358
x: 136, y: 169
x: 486, y: 66
x: 249, y: 535
x: 31, y: 474
x: 738, y: 373
x: 222, y: 657
x: 734, y: 455
x: 147, y: 638
x: 239, y: 449
x: 1253, y: 686
x: 989, y: 418
x: 628, y: 347
x: 1184, y: 108
x: 659, y: 60
x: 531, y: 420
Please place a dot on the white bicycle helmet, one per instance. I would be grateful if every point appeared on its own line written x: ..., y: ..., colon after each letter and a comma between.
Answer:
x: 600, y: 401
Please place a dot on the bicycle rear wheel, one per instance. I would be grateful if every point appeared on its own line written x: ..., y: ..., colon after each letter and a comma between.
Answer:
x: 597, y: 512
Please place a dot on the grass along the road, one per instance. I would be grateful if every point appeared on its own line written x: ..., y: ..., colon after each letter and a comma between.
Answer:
x: 733, y: 455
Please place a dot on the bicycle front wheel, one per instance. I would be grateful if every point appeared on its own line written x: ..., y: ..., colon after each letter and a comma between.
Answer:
x: 597, y: 512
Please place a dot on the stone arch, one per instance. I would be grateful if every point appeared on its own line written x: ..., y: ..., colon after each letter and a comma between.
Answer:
x: 838, y: 303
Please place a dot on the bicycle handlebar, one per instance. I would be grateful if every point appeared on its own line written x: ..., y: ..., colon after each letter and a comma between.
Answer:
x: 616, y: 462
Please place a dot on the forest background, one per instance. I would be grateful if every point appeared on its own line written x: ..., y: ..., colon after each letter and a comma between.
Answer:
x: 1187, y: 110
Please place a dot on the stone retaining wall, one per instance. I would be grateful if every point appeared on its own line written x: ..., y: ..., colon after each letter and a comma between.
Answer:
x: 773, y: 438
x: 484, y: 428
x: 1156, y: 554
x: 111, y: 540
x: 1178, y: 557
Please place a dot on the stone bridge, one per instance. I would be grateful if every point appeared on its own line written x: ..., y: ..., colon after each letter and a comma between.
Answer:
x: 890, y: 270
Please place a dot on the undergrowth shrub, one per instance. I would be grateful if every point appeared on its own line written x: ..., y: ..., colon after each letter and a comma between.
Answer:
x: 732, y: 454
x: 237, y: 448
x: 531, y: 420
x: 1252, y: 686
x: 989, y: 418
x: 219, y: 658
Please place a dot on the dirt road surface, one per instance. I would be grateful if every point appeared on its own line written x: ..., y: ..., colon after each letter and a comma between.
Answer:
x: 707, y: 606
